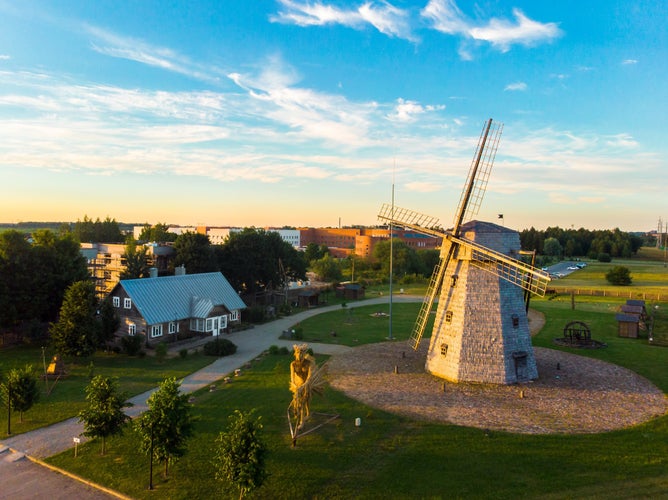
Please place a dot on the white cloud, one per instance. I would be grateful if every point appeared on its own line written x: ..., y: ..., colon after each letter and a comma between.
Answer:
x: 114, y: 45
x: 447, y: 18
x: 4, y: 57
x: 517, y: 86
x: 629, y: 61
x: 408, y: 111
x: 383, y: 16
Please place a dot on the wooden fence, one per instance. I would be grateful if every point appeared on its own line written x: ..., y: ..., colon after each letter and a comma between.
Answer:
x: 631, y: 294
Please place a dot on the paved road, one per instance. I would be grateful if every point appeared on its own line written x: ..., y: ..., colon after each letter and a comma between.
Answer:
x: 22, y: 478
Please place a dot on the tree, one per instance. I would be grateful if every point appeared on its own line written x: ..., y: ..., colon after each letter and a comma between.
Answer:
x: 619, y: 275
x: 314, y: 251
x: 327, y: 268
x: 104, y: 415
x: 158, y: 233
x: 240, y: 453
x: 552, y: 247
x: 166, y: 425
x: 109, y: 322
x: 254, y: 260
x: 20, y: 392
x: 76, y: 331
x: 193, y: 250
x: 136, y: 261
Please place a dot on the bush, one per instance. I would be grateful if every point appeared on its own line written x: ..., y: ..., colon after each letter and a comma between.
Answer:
x: 161, y: 352
x: 604, y: 257
x: 220, y: 347
x: 619, y: 275
x: 131, y: 345
x: 274, y: 350
x: 183, y: 353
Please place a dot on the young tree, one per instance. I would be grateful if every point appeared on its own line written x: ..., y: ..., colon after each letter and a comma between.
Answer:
x: 166, y: 425
x: 240, y: 453
x: 76, y: 331
x: 619, y: 275
x: 104, y: 415
x: 20, y: 392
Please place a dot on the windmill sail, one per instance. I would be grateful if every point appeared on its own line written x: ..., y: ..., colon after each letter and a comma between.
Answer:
x: 478, y: 176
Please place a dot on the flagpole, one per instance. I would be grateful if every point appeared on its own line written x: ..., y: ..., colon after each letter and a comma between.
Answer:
x: 389, y: 336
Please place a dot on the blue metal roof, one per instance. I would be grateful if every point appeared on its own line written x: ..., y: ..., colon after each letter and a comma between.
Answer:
x: 170, y: 298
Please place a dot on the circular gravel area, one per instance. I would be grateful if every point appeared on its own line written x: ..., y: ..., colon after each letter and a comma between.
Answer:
x: 573, y: 394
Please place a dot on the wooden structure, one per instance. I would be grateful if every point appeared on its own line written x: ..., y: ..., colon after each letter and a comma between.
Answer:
x: 350, y: 291
x: 481, y: 330
x: 631, y: 319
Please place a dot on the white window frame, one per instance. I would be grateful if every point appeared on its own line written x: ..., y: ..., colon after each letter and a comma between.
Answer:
x: 173, y: 327
x: 234, y: 315
x: 127, y: 303
x: 156, y: 331
x: 132, y: 329
x: 223, y: 322
x: 116, y: 301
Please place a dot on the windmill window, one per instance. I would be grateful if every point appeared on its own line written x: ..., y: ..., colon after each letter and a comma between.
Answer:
x: 448, y: 316
x: 453, y: 282
x: 516, y: 321
x: 444, y: 349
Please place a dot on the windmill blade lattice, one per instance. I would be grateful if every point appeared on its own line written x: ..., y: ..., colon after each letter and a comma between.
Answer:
x: 478, y: 176
x: 408, y: 218
x: 512, y: 270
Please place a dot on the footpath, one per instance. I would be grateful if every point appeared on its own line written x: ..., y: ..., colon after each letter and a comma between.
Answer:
x: 45, y: 442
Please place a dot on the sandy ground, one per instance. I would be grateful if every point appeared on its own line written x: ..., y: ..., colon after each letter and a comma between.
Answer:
x: 573, y: 394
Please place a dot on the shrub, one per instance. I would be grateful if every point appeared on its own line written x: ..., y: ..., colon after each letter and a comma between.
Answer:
x: 274, y: 350
x: 619, y: 275
x: 161, y: 352
x: 220, y: 347
x: 183, y: 353
x: 131, y: 345
x: 604, y: 257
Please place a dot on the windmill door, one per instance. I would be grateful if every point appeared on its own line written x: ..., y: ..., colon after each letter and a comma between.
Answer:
x: 521, y: 371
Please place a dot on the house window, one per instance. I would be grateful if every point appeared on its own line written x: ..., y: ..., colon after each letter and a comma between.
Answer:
x: 132, y: 329
x: 197, y: 325
x: 234, y: 315
x: 444, y: 349
x: 127, y: 303
x: 516, y: 321
x: 223, y: 322
x: 448, y: 316
x: 156, y: 331
x: 173, y: 327
x: 116, y: 301
x: 209, y: 325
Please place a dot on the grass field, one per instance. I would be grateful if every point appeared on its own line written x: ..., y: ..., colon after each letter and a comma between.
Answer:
x: 62, y: 399
x: 392, y: 457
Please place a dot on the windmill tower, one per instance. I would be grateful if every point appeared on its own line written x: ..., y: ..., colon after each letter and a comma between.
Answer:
x: 481, y: 331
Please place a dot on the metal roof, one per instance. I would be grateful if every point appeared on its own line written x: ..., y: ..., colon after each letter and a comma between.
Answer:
x: 170, y: 298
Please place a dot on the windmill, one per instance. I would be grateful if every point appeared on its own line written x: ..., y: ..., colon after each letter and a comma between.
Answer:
x: 481, y: 331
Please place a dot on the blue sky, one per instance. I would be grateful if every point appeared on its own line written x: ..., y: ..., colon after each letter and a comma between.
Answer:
x: 290, y: 112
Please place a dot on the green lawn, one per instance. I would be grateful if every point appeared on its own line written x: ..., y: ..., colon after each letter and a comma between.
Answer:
x: 62, y: 399
x: 648, y: 277
x: 392, y: 457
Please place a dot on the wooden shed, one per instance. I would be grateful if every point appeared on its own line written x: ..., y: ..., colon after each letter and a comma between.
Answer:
x: 350, y: 291
x: 628, y: 325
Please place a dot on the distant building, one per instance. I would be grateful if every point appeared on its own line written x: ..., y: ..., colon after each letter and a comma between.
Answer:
x: 106, y: 262
x: 343, y: 242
